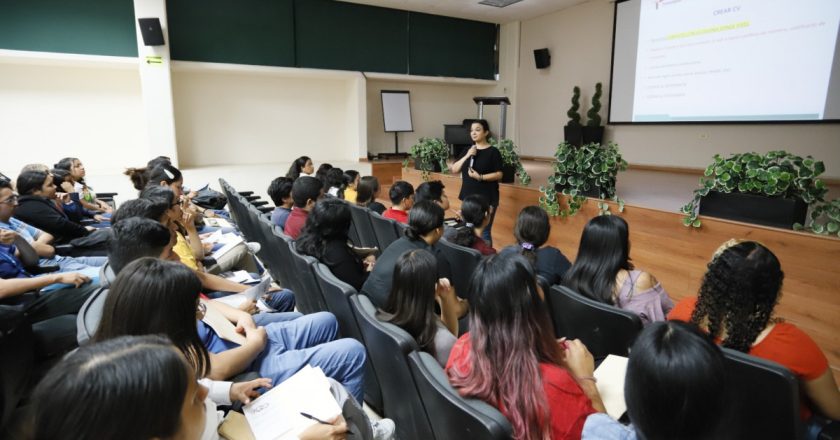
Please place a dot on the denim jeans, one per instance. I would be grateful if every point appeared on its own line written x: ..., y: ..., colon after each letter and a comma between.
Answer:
x: 76, y: 264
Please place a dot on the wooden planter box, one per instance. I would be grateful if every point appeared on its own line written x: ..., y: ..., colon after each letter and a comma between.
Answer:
x: 778, y: 212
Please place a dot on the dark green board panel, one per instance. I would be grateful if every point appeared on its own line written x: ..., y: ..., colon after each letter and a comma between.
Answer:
x: 444, y: 46
x: 259, y: 32
x: 347, y: 36
x: 94, y: 27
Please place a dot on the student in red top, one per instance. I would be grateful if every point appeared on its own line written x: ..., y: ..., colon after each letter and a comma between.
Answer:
x: 402, y: 199
x: 511, y: 360
x: 475, y: 213
x: 305, y: 192
x: 735, y: 306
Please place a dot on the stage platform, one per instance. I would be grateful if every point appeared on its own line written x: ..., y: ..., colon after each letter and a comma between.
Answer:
x: 677, y: 255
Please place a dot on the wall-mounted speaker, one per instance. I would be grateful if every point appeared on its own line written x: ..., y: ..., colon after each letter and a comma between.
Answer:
x: 542, y: 58
x: 151, y: 31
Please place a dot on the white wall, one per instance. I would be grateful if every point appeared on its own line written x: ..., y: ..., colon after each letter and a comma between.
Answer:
x: 252, y: 115
x: 580, y: 41
x: 52, y: 110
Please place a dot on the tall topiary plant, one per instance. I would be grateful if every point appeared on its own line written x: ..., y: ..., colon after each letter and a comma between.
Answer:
x: 592, y: 114
x: 574, y: 116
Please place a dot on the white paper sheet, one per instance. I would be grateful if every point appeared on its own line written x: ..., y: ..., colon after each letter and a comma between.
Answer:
x: 610, y: 375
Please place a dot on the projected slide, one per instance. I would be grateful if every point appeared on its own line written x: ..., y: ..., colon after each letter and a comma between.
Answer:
x: 725, y: 60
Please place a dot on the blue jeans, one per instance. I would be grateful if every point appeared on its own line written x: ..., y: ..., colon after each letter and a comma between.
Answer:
x: 310, y: 340
x: 75, y: 264
x: 485, y: 233
x: 281, y: 300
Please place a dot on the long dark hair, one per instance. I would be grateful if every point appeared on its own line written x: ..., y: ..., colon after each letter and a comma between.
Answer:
x: 423, y: 218
x: 130, y: 388
x: 321, y: 174
x: 510, y: 335
x: 412, y: 298
x: 531, y: 231
x: 29, y: 182
x: 152, y: 296
x: 329, y: 220
x: 604, y: 250
x: 366, y: 191
x: 676, y: 383
x: 474, y: 210
x: 738, y: 294
x: 297, y: 167
x: 66, y: 164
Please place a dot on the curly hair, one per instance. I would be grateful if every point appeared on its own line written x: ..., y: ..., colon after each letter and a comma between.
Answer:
x: 738, y: 294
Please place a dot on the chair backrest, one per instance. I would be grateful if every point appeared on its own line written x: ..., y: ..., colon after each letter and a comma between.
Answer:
x: 764, y: 401
x: 233, y: 201
x: 463, y: 261
x: 452, y: 416
x: 17, y: 349
x: 337, y: 294
x: 388, y: 347
x: 385, y: 230
x: 309, y: 298
x: 603, y: 328
x: 364, y: 228
x: 283, y: 269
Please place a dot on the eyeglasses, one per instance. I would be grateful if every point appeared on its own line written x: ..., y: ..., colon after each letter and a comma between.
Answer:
x: 202, y: 308
x: 10, y: 200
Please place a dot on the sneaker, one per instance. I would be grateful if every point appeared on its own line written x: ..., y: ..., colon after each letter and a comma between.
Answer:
x: 383, y: 429
x: 253, y: 246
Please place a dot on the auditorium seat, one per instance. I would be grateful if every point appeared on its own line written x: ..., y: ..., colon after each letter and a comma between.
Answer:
x: 604, y: 329
x: 385, y: 230
x: 307, y: 292
x: 17, y: 349
x: 364, y: 228
x: 388, y: 347
x: 452, y: 416
x: 463, y: 261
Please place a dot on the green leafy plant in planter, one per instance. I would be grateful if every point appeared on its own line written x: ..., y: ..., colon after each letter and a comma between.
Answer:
x: 578, y: 170
x: 775, y: 174
x: 427, y: 153
x: 511, y: 158
x: 824, y: 219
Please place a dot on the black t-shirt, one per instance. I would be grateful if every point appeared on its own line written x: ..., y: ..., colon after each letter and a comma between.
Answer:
x: 485, y: 161
x: 551, y: 263
x: 377, y: 207
x: 344, y: 264
x: 378, y: 285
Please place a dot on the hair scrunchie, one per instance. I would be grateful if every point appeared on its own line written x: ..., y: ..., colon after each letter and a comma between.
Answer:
x: 527, y: 246
x: 469, y: 225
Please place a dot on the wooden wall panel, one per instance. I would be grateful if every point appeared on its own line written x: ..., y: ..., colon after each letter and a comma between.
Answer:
x: 677, y: 255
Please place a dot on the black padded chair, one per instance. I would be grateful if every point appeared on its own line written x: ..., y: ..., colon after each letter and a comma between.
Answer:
x: 363, y: 226
x: 764, y: 401
x: 18, y: 352
x: 281, y: 250
x: 603, y: 328
x: 452, y: 416
x: 463, y: 261
x: 385, y: 230
x: 309, y: 298
x: 388, y: 347
x: 337, y: 294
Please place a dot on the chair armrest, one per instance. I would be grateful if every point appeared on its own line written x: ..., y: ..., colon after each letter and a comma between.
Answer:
x: 265, y: 209
x: 258, y: 203
x: 245, y: 193
x: 63, y: 249
x: 47, y: 268
x: 105, y: 195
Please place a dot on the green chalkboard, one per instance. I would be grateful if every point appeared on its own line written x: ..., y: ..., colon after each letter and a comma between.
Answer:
x: 94, y: 27
x: 347, y: 36
x: 444, y: 46
x: 232, y: 31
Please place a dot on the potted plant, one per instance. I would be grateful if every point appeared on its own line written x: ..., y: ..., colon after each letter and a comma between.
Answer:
x: 573, y: 132
x: 512, y: 164
x: 594, y: 131
x: 430, y: 155
x: 824, y: 219
x: 773, y: 189
x: 579, y: 172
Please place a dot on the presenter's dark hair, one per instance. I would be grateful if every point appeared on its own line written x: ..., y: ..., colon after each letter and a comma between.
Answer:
x: 432, y: 190
x: 152, y: 296
x: 531, y: 229
x: 304, y: 189
x: 329, y: 220
x: 279, y: 189
x: 399, y: 191
x: 143, y: 208
x: 474, y: 209
x: 424, y: 218
x: 412, y: 299
x: 130, y: 388
x: 366, y: 192
x: 738, y: 293
x: 297, y: 167
x: 484, y: 124
x: 136, y: 237
x: 604, y: 250
x: 29, y: 182
x: 676, y: 383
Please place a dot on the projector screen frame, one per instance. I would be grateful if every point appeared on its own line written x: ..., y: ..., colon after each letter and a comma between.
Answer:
x: 609, y: 107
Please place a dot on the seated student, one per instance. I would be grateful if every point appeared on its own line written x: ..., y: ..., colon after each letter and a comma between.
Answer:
x: 511, y: 360
x: 68, y: 200
x: 351, y: 185
x: 280, y: 192
x: 675, y: 388
x: 411, y: 304
x: 367, y: 192
x: 425, y: 227
x: 321, y: 174
x: 36, y: 207
x: 603, y: 271
x: 735, y: 306
x: 154, y: 296
x: 402, y: 199
x: 475, y: 213
x: 325, y: 238
x: 140, y: 177
x: 432, y: 190
x: 305, y: 192
x: 302, y: 166
x: 86, y: 195
x: 531, y: 232
x: 335, y: 183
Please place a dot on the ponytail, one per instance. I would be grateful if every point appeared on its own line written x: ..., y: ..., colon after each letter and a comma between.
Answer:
x: 139, y: 177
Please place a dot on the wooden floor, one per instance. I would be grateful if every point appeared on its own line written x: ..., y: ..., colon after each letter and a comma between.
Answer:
x: 677, y: 255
